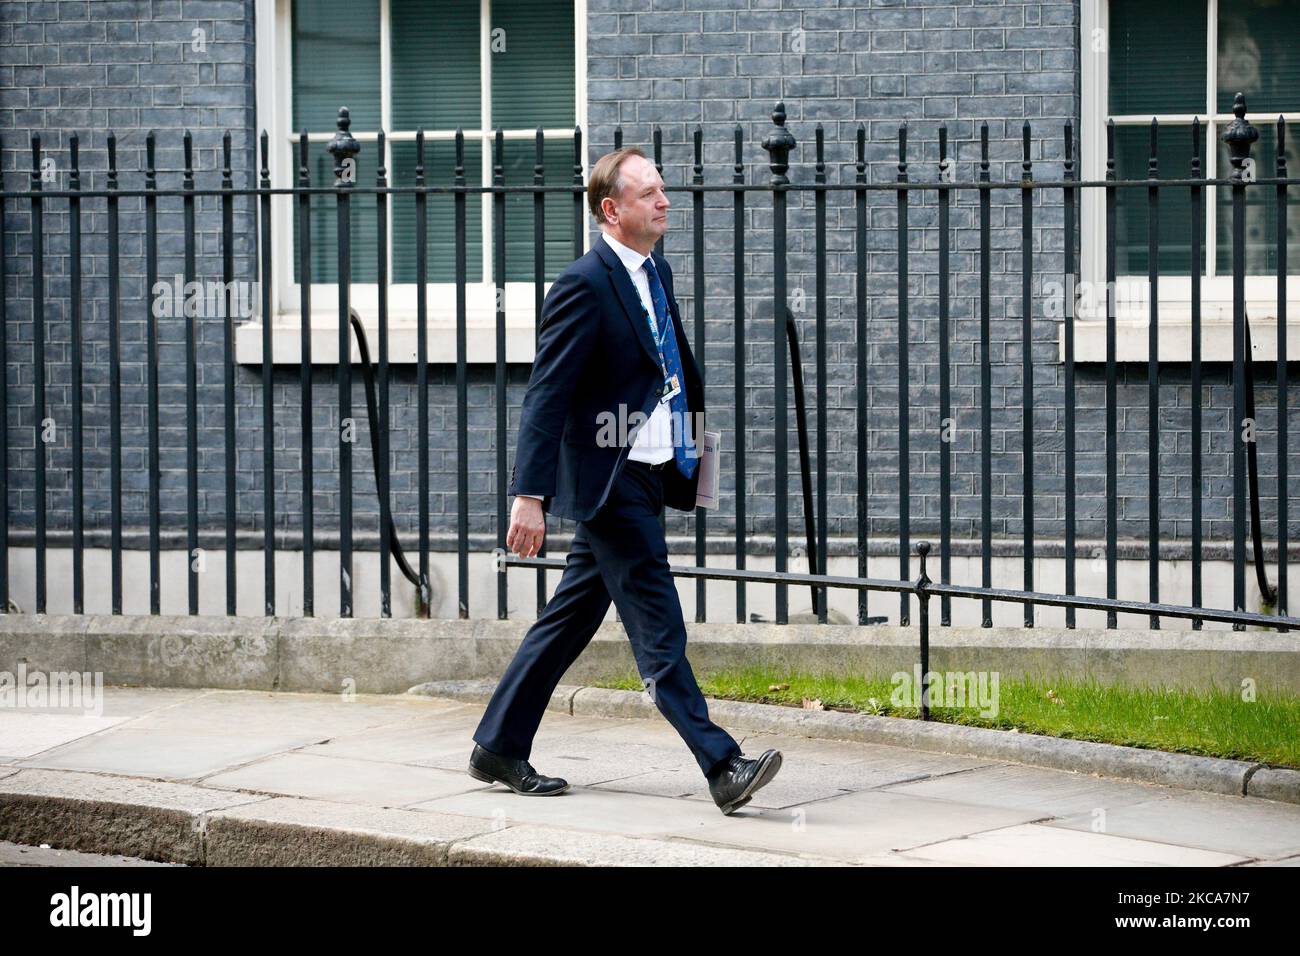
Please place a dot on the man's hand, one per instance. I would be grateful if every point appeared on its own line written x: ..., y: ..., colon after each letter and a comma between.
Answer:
x: 527, y: 527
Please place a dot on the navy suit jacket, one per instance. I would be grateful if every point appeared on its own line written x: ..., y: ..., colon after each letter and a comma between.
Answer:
x: 595, y: 354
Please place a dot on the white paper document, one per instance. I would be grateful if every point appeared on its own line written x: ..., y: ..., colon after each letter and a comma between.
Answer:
x: 707, y: 495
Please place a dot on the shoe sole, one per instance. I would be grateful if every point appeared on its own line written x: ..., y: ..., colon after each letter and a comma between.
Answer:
x: 488, y: 778
x: 761, y: 779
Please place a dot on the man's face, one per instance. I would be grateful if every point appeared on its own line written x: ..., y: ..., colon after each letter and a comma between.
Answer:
x: 641, y: 211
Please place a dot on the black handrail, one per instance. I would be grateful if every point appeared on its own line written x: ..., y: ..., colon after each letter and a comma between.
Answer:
x: 1266, y: 590
x: 805, y: 469
x: 381, y: 465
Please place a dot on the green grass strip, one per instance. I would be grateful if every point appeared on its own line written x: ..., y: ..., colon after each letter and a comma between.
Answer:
x: 1221, y: 722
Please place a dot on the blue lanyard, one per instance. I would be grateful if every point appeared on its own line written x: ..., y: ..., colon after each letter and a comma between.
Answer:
x: 655, y: 332
x: 658, y: 336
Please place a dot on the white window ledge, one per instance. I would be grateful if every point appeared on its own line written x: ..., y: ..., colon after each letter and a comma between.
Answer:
x: 1175, y: 328
x: 1175, y: 339
x: 403, y: 341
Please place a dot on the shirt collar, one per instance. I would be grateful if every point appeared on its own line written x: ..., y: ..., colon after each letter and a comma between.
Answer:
x: 631, y: 259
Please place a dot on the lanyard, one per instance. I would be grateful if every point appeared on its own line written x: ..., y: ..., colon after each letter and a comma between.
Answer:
x: 659, y: 337
x: 655, y: 333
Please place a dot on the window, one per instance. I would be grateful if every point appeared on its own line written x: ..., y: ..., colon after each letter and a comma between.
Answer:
x: 399, y: 66
x: 1175, y: 61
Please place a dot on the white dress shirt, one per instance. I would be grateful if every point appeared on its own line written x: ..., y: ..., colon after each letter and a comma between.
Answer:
x: 654, y: 440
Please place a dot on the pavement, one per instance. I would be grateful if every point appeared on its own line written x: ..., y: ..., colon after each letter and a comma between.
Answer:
x: 222, y: 777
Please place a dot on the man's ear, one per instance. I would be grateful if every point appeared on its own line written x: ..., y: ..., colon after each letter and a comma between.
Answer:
x: 612, y: 208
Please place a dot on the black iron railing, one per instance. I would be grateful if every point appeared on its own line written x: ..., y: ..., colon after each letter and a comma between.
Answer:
x: 777, y: 190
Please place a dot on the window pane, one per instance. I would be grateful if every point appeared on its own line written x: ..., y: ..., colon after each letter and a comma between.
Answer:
x: 1157, y: 56
x: 435, y: 51
x: 1132, y: 213
x: 1259, y: 55
x: 324, y: 220
x: 532, y: 64
x: 557, y: 158
x: 439, y: 170
x: 1261, y: 209
x: 335, y: 63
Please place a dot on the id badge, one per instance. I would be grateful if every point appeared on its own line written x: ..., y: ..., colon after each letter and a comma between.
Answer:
x: 671, y: 388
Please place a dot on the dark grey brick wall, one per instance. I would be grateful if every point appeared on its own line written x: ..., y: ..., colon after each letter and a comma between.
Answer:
x: 128, y: 66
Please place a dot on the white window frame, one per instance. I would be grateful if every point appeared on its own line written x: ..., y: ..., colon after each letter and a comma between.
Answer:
x: 274, y: 36
x: 1175, y: 292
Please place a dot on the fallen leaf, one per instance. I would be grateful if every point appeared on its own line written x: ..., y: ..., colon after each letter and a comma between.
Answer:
x: 812, y: 704
x: 778, y: 686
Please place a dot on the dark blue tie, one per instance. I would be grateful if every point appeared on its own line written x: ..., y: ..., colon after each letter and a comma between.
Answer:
x: 686, y: 462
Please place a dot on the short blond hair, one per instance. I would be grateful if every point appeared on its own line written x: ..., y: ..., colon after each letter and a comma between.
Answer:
x: 605, y: 180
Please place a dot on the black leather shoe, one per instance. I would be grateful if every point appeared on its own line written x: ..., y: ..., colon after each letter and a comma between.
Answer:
x: 734, y: 785
x: 518, y: 775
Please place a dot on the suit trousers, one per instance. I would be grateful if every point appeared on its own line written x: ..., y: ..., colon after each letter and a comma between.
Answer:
x: 620, y: 555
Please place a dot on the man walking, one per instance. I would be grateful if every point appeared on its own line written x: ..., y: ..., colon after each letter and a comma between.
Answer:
x: 611, y: 351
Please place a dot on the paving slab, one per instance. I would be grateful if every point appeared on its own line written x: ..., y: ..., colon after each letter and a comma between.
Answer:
x: 344, y: 780
x: 24, y: 734
x: 555, y: 740
x: 888, y: 757
x: 421, y: 741
x: 532, y: 846
x: 119, y: 701
x: 135, y: 701
x: 441, y: 738
x: 1055, y: 793
x: 1033, y: 844
x: 240, y: 711
x: 585, y: 808
x: 1259, y: 829
x: 584, y: 759
x: 27, y: 731
x: 142, y: 752
x: 858, y: 826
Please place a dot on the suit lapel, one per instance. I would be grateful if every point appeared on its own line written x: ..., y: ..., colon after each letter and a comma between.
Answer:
x: 628, y: 297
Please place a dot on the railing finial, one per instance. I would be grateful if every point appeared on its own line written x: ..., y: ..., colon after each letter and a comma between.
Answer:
x: 923, y: 550
x: 778, y: 144
x: 1239, y: 135
x: 343, y: 146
